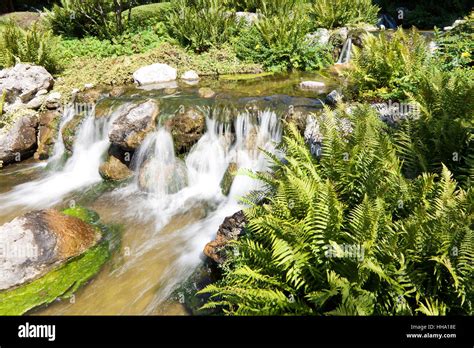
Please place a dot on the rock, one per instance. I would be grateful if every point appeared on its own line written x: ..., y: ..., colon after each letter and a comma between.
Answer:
x: 70, y: 129
x: 133, y: 124
x: 53, y: 101
x: 232, y: 228
x: 42, y: 92
x: 319, y: 37
x: 333, y: 98
x: 186, y: 128
x: 89, y: 85
x: 298, y: 118
x: 190, y: 75
x: 33, y: 244
x: 313, y: 85
x: 115, y: 170
x: 159, y: 177
x: 18, y: 141
x: 228, y: 179
x: 47, y: 130
x: 24, y: 81
x: 248, y: 18
x: 36, y: 102
x: 154, y: 73
x: 206, y: 93
x: 89, y: 96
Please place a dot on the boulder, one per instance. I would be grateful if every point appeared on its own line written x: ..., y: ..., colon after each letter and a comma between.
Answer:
x: 159, y: 177
x: 228, y: 179
x: 190, y: 75
x: 155, y: 73
x: 113, y: 169
x: 232, y: 228
x: 33, y: 244
x: 298, y: 118
x: 23, y: 81
x: 206, y: 93
x: 53, y: 101
x: 18, y: 141
x: 319, y: 37
x: 47, y: 130
x: 187, y: 128
x: 313, y: 85
x: 70, y: 129
x: 333, y: 98
x: 133, y: 124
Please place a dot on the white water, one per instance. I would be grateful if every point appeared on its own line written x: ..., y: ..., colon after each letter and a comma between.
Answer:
x: 346, y: 52
x: 80, y: 170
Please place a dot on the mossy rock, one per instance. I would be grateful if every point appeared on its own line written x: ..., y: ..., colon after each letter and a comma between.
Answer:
x: 70, y: 129
x: 228, y: 179
x: 63, y: 280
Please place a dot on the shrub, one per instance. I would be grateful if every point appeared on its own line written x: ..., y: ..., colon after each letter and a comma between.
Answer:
x: 29, y: 46
x: 201, y: 24
x: 388, y: 65
x: 279, y: 43
x: 455, y: 47
x: 443, y: 134
x: 146, y: 16
x: 332, y: 237
x: 338, y: 13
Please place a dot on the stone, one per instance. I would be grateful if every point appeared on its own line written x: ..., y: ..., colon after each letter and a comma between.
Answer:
x: 333, y: 98
x: 206, y: 93
x: 155, y: 73
x: 228, y: 179
x: 24, y: 81
x: 319, y: 37
x: 249, y: 18
x: 133, y: 124
x: 162, y: 177
x: 70, y: 129
x: 36, y: 102
x: 18, y: 141
x: 190, y: 75
x: 35, y: 243
x: 53, y: 100
x: 114, y: 170
x: 231, y: 229
x: 313, y: 85
x: 47, y: 131
x: 186, y: 128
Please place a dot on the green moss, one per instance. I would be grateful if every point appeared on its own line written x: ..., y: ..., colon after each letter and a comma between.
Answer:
x: 59, y: 283
x: 86, y: 215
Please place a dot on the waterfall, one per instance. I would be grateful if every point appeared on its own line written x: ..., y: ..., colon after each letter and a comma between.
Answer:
x: 79, y: 171
x: 345, y: 56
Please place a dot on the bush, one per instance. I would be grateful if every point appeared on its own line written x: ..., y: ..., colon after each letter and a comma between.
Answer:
x: 279, y: 43
x: 332, y: 238
x: 146, y: 16
x: 79, y: 18
x: 443, y: 134
x: 388, y: 65
x: 455, y: 47
x: 339, y: 13
x: 201, y: 24
x: 29, y: 46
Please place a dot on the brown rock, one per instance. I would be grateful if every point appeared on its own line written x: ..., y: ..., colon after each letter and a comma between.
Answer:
x: 187, y: 128
x: 115, y: 170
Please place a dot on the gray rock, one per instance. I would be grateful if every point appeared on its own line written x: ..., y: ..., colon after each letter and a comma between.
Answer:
x: 133, y: 124
x: 333, y: 98
x: 53, y: 100
x: 18, y: 141
x: 313, y: 85
x: 319, y: 37
x: 155, y: 73
x: 249, y: 18
x: 35, y: 243
x: 24, y: 81
x: 190, y: 75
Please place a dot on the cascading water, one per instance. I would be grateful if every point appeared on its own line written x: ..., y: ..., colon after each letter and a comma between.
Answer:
x: 346, y: 52
x: 80, y: 170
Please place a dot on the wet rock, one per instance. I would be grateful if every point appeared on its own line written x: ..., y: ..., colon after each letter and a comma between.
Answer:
x: 298, y: 118
x: 23, y: 81
x: 89, y: 96
x: 206, y: 93
x: 232, y: 228
x: 18, y: 141
x: 187, y: 128
x: 47, y: 130
x: 190, y: 75
x: 133, y: 124
x: 333, y: 98
x: 154, y: 73
x: 113, y: 169
x: 33, y: 244
x: 70, y: 130
x: 228, y: 179
x: 156, y: 176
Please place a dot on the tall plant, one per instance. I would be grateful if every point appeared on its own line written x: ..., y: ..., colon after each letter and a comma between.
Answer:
x: 339, y: 13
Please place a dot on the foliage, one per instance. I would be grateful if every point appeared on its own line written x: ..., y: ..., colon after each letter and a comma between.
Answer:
x: 146, y: 16
x: 443, y: 134
x: 388, y: 66
x: 279, y: 43
x: 339, y: 13
x: 265, y: 7
x: 347, y: 234
x: 79, y: 18
x: 455, y: 47
x: 201, y: 24
x: 31, y: 46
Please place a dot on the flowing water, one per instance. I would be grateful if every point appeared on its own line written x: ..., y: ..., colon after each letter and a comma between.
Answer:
x: 169, y: 211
